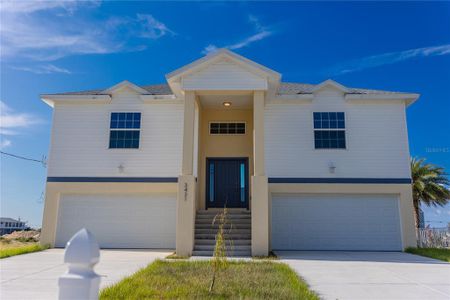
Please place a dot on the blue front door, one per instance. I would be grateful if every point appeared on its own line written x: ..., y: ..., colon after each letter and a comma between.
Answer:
x: 227, y: 182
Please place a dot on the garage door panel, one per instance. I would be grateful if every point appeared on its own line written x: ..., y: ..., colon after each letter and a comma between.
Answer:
x: 119, y: 221
x: 335, y: 222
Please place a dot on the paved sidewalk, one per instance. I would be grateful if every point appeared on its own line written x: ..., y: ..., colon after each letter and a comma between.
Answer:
x: 371, y: 275
x: 35, y: 275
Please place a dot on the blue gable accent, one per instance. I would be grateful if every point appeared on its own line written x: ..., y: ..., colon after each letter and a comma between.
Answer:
x: 112, y: 179
x: 342, y: 180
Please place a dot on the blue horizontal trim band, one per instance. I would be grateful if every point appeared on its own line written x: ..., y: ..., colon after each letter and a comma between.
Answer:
x: 112, y: 179
x: 342, y: 180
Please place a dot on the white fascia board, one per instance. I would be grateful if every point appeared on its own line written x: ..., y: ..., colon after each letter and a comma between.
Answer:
x: 409, y: 98
x: 75, y: 99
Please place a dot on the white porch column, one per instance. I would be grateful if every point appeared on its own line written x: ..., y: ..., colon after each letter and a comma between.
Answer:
x: 258, y: 133
x: 260, y: 188
x: 187, y: 166
x: 186, y: 183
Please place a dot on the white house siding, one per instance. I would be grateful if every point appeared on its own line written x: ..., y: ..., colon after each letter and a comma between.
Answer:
x: 223, y: 75
x: 376, y: 136
x: 80, y: 140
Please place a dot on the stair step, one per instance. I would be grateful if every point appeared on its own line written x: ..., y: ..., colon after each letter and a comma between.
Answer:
x: 210, y: 253
x: 237, y: 233
x: 229, y: 217
x: 240, y: 242
x: 236, y: 236
x: 230, y: 248
x: 226, y: 226
x: 235, y: 221
x: 211, y: 212
x: 226, y: 231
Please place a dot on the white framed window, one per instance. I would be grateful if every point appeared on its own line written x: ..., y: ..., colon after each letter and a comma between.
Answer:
x: 125, y: 130
x: 329, y: 130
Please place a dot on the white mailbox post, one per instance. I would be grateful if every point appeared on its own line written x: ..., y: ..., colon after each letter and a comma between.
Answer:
x: 80, y: 281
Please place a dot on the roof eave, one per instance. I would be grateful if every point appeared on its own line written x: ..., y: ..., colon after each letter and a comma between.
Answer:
x: 51, y: 99
x: 409, y: 98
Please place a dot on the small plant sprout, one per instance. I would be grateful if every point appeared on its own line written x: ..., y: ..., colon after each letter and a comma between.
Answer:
x: 219, y: 260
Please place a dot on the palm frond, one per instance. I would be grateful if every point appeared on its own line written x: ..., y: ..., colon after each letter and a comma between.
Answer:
x: 430, y: 183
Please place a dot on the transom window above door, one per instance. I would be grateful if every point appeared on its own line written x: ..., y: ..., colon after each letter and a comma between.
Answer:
x: 227, y: 128
x: 125, y: 130
x: 329, y: 130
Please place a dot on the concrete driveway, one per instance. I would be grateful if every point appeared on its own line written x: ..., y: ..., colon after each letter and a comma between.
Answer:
x: 35, y: 275
x: 371, y: 275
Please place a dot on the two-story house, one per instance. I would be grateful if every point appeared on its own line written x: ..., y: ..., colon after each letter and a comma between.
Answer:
x: 316, y: 167
x: 9, y: 225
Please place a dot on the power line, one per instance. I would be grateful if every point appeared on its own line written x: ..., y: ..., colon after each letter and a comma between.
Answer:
x: 42, y: 161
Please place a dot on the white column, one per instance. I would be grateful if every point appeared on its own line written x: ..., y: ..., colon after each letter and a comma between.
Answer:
x: 186, y: 183
x: 260, y: 188
x: 188, y: 134
x: 258, y: 133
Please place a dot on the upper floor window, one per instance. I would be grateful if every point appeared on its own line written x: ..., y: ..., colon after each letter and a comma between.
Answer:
x: 125, y: 129
x: 329, y: 130
x: 227, y: 128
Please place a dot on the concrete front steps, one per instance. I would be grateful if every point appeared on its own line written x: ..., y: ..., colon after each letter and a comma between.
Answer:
x: 237, y: 233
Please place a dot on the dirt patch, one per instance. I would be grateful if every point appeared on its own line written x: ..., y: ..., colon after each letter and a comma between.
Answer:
x: 23, y: 236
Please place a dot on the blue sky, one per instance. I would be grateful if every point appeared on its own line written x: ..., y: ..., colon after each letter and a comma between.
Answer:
x: 49, y: 47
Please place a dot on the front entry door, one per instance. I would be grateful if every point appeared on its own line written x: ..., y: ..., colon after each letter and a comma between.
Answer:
x: 227, y: 182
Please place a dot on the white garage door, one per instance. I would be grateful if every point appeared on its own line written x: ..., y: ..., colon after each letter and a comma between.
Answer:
x: 335, y: 222
x: 119, y: 221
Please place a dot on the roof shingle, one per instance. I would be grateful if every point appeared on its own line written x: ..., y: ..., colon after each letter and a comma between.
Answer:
x: 285, y: 88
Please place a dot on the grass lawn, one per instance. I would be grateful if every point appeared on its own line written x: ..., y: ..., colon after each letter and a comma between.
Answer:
x: 191, y: 279
x: 437, y: 253
x: 11, y: 248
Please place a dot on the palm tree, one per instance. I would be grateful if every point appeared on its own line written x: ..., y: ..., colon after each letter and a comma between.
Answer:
x: 430, y: 185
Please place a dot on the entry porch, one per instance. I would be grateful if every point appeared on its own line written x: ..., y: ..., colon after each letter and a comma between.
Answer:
x: 223, y: 166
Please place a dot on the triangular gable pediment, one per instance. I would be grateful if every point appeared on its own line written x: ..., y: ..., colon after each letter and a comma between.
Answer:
x: 223, y: 74
x: 125, y: 85
x: 222, y: 70
x: 330, y: 84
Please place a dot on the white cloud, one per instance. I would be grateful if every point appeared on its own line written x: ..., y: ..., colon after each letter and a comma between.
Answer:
x: 12, y: 123
x: 43, y: 69
x: 30, y: 6
x: 4, y: 143
x: 389, y: 58
x: 209, y: 48
x: 262, y: 32
x: 46, y: 31
x: 152, y: 28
